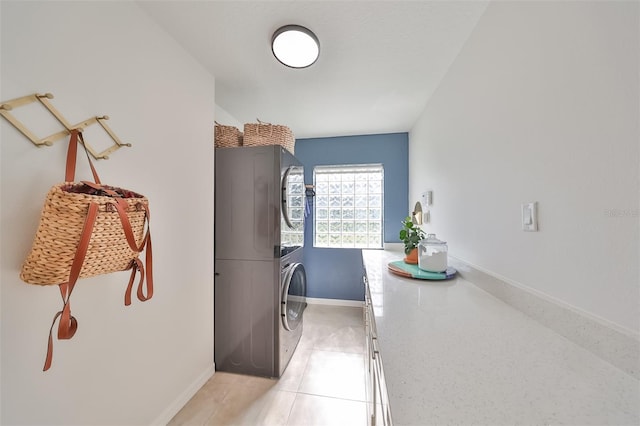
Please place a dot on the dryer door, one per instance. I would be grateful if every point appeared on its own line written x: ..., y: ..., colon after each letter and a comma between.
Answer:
x: 294, y: 292
x: 293, y: 198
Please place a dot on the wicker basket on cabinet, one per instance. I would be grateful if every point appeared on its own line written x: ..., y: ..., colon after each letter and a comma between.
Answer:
x: 261, y: 133
x: 227, y: 136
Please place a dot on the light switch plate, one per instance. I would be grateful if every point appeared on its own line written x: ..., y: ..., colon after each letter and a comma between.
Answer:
x: 530, y: 216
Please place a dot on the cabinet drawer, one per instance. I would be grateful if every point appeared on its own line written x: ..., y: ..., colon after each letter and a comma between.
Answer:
x: 383, y: 412
x: 377, y: 398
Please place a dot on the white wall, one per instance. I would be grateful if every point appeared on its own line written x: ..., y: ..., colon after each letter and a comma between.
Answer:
x: 541, y: 105
x: 226, y: 119
x: 132, y: 365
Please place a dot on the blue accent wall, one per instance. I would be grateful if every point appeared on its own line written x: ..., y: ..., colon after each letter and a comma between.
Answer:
x: 337, y: 273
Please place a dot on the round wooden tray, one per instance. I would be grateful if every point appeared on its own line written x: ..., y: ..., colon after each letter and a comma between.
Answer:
x: 399, y: 267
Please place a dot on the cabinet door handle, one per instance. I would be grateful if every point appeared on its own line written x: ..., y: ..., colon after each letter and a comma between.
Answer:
x: 374, y: 344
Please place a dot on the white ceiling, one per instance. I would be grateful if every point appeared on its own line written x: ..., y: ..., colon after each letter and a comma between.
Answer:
x: 379, y: 63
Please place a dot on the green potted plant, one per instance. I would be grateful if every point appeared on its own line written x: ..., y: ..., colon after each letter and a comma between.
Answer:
x: 411, y: 234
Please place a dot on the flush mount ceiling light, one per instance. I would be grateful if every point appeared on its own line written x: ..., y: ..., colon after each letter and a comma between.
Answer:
x: 295, y: 46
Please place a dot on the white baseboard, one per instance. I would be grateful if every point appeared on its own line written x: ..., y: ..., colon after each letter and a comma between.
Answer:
x: 173, y: 408
x: 334, y: 302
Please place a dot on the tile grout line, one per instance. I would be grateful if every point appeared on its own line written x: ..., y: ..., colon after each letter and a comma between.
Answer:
x: 331, y: 397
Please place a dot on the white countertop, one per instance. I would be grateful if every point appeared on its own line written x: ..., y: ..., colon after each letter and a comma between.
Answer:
x: 455, y: 355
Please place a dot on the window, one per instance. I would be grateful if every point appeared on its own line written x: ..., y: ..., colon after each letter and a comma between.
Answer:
x: 348, y: 206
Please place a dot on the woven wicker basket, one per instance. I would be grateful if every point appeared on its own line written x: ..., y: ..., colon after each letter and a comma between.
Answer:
x: 227, y: 136
x: 61, y: 223
x: 260, y: 133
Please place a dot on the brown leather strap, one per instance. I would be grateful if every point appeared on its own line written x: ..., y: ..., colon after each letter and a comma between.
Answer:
x: 121, y: 207
x: 49, y: 358
x: 70, y: 172
x: 136, y: 264
x: 72, y: 153
x: 93, y: 169
x: 102, y: 188
x: 68, y: 325
x: 149, y: 262
x: 83, y: 245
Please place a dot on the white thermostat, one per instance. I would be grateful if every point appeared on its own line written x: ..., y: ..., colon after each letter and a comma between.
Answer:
x: 427, y: 198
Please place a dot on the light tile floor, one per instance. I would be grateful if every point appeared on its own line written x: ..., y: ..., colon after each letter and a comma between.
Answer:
x: 323, y: 385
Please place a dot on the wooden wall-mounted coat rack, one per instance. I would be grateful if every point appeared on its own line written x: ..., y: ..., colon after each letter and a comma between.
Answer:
x: 6, y: 107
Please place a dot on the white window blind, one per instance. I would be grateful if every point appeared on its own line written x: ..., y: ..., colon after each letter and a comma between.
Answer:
x: 348, y: 208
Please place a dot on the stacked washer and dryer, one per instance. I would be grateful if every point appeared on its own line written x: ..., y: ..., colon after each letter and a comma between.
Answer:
x: 260, y: 281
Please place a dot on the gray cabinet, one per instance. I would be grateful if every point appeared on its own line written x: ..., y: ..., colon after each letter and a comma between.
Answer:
x: 247, y: 203
x: 244, y: 332
x: 378, y: 409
